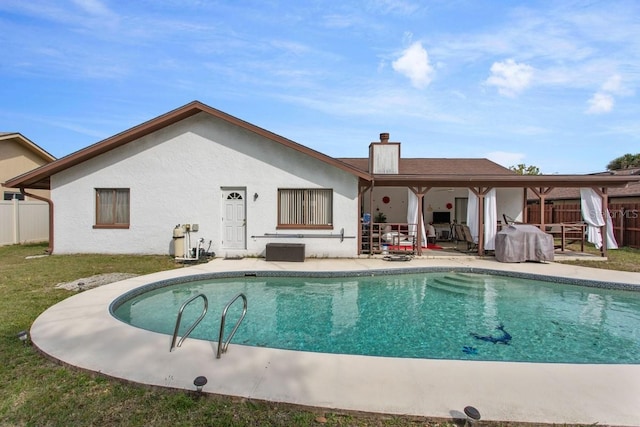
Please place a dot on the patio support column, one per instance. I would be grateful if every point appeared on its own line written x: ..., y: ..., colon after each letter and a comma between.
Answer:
x: 419, y: 192
x: 525, y: 211
x: 542, y: 193
x: 370, y: 233
x: 480, y: 192
x: 605, y: 213
x: 362, y: 188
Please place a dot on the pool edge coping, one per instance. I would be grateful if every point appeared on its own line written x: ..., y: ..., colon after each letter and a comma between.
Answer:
x: 553, y: 416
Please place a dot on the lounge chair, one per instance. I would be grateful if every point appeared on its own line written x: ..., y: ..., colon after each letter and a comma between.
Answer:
x: 472, y: 246
x: 458, y: 234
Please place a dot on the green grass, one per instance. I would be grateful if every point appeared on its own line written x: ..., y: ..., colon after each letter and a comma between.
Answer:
x: 623, y: 259
x: 38, y: 392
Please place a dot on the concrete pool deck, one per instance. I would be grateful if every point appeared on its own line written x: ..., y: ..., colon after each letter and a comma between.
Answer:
x: 80, y: 331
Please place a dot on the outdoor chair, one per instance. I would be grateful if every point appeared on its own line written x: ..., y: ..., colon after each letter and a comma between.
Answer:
x: 458, y: 234
x: 472, y: 246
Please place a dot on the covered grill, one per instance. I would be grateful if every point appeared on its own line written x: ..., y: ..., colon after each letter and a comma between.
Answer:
x: 523, y: 242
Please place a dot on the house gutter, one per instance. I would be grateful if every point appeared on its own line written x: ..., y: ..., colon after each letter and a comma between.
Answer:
x: 50, y: 203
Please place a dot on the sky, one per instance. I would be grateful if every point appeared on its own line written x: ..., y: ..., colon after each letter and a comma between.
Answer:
x: 553, y: 84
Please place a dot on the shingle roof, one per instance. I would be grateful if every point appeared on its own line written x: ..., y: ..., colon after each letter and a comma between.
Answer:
x: 439, y: 166
x: 423, y: 172
x: 631, y: 190
x: 40, y: 178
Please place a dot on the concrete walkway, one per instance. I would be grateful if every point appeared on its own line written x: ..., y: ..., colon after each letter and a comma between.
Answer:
x: 81, y: 332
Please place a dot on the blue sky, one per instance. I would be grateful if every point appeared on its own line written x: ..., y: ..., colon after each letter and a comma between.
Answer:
x: 550, y: 84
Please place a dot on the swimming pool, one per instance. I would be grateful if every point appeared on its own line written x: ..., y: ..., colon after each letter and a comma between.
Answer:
x: 438, y: 315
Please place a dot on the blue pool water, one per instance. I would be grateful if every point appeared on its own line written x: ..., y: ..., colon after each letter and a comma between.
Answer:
x: 440, y: 315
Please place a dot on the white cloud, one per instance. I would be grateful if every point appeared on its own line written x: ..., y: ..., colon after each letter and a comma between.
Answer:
x: 93, y: 7
x: 400, y: 7
x: 510, y: 77
x: 414, y: 64
x: 505, y: 158
x: 600, y: 103
x: 613, y: 84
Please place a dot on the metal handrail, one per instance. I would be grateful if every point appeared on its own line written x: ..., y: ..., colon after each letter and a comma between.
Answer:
x: 175, y: 332
x: 222, y: 348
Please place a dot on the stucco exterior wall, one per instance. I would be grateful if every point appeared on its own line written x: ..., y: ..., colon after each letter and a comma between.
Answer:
x: 175, y: 176
x: 510, y: 201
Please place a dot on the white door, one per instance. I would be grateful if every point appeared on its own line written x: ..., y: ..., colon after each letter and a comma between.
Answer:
x: 233, y: 219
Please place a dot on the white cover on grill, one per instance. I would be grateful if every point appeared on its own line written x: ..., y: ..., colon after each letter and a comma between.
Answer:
x: 523, y: 242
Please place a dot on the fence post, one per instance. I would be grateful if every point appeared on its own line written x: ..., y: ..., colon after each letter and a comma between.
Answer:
x: 622, y: 214
x: 15, y: 223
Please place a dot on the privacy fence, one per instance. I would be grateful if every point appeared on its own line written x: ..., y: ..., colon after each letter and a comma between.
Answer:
x: 23, y: 222
x: 625, y: 219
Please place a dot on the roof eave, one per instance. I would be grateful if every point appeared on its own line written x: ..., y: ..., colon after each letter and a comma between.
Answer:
x: 39, y: 177
x: 520, y: 181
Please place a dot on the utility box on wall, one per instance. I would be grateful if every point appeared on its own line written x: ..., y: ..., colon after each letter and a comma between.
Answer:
x: 293, y: 252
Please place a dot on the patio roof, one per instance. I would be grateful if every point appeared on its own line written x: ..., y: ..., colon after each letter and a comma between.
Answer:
x: 463, y: 172
x: 503, y: 181
x: 567, y: 193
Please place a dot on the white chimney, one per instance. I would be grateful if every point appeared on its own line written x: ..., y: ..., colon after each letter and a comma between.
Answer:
x: 384, y: 156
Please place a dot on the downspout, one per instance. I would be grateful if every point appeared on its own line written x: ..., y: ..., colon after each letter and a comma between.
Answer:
x: 50, y: 203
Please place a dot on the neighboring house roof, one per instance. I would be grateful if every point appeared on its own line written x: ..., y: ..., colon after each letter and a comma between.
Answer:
x: 563, y: 193
x: 26, y: 143
x: 40, y: 177
x: 18, y: 155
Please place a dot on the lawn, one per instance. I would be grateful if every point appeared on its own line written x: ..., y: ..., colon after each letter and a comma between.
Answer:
x: 623, y: 259
x: 38, y: 392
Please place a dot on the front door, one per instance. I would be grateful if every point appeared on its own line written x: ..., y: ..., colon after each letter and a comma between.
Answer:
x: 234, y: 221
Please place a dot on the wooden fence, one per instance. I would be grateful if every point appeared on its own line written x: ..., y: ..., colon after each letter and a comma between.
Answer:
x: 23, y: 222
x: 625, y: 219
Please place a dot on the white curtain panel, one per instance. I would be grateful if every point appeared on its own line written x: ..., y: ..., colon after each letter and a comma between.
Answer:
x: 472, y: 215
x: 591, y: 206
x: 490, y: 220
x: 412, y: 216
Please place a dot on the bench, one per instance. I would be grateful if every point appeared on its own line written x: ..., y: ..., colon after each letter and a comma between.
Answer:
x: 293, y: 252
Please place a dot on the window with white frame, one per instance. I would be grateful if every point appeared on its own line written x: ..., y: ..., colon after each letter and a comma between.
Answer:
x: 112, y: 208
x: 305, y: 208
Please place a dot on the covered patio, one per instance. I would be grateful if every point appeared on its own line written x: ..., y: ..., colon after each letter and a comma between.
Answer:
x: 410, y: 234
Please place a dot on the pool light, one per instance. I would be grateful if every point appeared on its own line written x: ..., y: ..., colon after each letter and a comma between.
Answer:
x: 472, y: 414
x: 23, y: 336
x: 199, y: 382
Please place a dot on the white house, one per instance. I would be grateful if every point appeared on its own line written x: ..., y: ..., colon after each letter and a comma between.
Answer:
x: 241, y: 187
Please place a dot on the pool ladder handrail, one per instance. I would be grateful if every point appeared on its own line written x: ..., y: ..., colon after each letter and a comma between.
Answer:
x: 179, y: 319
x: 222, y: 347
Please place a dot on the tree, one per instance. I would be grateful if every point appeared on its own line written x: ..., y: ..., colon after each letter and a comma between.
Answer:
x: 523, y: 169
x: 624, y: 162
